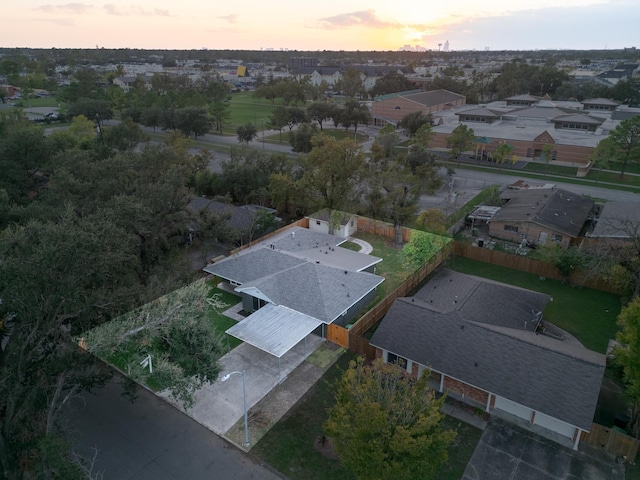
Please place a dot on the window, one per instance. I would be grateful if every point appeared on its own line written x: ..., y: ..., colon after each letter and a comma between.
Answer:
x: 317, y: 222
x: 511, y: 228
x: 556, y: 238
x: 396, y: 360
x: 258, y: 303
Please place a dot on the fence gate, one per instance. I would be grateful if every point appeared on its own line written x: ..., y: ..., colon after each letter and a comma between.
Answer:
x: 338, y: 335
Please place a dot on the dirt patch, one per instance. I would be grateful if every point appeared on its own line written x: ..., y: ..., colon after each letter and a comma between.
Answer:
x: 324, y: 445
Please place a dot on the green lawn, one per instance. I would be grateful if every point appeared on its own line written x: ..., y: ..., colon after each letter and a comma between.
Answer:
x: 245, y: 108
x: 599, y: 176
x: 289, y: 445
x: 37, y: 102
x: 554, y: 169
x: 588, y: 314
x: 392, y: 267
x: 351, y: 246
x: 220, y: 322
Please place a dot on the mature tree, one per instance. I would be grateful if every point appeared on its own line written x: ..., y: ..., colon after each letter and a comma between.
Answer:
x: 351, y: 84
x: 628, y: 356
x: 218, y: 103
x: 97, y: 110
x: 295, y: 116
x: 23, y: 151
x: 354, y: 113
x: 246, y: 174
x: 460, y: 140
x: 191, y: 120
x: 151, y: 117
x: 391, y: 82
x: 387, y: 138
x: 421, y: 247
x: 56, y: 279
x: 432, y: 220
x: 124, y: 136
x: 623, y: 142
x: 412, y: 122
x: 3, y: 94
x: 334, y: 170
x: 246, y: 133
x: 502, y: 153
x: 321, y: 112
x: 386, y: 426
x: 278, y: 119
x: 300, y: 138
x: 627, y: 91
x: 566, y: 260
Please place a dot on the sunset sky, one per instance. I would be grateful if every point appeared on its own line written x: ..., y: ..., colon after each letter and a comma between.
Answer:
x: 322, y: 25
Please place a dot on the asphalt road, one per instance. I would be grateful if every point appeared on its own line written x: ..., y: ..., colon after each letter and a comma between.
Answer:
x: 149, y: 439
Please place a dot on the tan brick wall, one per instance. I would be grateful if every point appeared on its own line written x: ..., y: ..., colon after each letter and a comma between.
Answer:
x: 565, y: 153
x: 468, y: 391
x: 531, y: 232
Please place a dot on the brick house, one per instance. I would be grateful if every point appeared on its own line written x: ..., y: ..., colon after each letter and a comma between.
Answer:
x: 540, y: 216
x: 485, y: 343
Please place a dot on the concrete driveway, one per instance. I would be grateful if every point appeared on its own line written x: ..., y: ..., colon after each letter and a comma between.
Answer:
x: 219, y: 405
x: 507, y: 452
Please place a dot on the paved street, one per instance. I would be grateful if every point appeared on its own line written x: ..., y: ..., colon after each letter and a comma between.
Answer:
x: 150, y: 439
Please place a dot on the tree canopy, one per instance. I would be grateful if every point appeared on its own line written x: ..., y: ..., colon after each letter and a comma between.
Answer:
x: 386, y: 426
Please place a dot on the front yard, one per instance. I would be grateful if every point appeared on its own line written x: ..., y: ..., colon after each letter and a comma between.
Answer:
x: 178, y: 333
x: 289, y: 446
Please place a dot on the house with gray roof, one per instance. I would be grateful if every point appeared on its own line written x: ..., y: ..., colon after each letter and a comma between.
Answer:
x: 539, y: 216
x: 485, y: 343
x: 296, y: 283
x: 618, y: 221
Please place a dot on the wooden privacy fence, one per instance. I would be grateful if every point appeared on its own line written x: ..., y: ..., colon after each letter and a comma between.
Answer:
x: 612, y: 441
x: 524, y: 264
x: 357, y: 342
x: 382, y: 229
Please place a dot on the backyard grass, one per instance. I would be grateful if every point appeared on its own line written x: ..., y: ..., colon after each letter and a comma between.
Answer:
x: 613, y: 177
x: 221, y: 323
x: 392, y: 267
x: 289, y: 445
x: 590, y: 315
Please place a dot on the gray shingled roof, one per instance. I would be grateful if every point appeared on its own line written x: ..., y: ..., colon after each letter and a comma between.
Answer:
x: 618, y: 220
x: 548, y: 375
x: 579, y: 118
x: 558, y: 209
x: 316, y: 290
x: 252, y: 265
x: 304, y: 239
x: 483, y: 301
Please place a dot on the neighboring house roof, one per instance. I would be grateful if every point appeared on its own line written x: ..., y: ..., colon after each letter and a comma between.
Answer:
x: 484, y: 301
x: 618, y: 220
x: 239, y: 218
x: 560, y: 379
x: 325, y: 215
x: 557, y: 209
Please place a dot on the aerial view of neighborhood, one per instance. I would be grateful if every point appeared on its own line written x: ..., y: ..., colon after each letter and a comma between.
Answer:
x: 408, y: 263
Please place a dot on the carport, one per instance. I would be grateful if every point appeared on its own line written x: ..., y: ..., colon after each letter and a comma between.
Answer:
x: 275, y: 329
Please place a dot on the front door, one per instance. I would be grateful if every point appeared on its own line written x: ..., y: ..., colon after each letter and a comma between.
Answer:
x: 543, y: 238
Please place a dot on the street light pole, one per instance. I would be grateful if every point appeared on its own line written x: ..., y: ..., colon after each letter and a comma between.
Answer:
x: 244, y: 401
